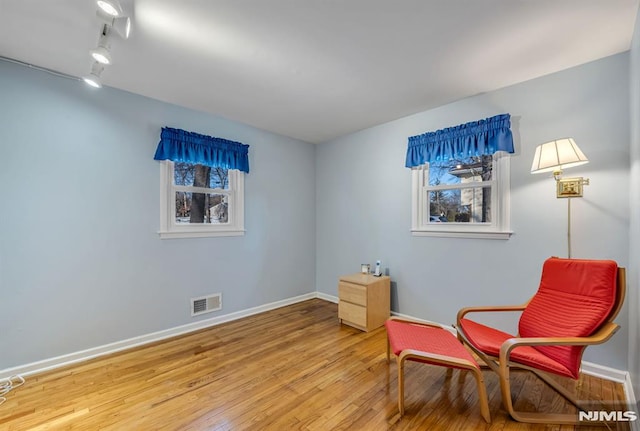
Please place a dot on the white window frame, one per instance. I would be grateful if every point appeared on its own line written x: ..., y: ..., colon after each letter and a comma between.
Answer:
x: 498, y: 228
x: 170, y: 229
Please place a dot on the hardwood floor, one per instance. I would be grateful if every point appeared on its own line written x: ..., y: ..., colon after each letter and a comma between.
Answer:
x: 294, y: 368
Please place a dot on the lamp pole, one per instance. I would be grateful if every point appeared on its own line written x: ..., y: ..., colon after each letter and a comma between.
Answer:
x: 569, y: 228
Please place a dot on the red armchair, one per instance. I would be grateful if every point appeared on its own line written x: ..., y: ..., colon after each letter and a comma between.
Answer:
x: 573, y: 308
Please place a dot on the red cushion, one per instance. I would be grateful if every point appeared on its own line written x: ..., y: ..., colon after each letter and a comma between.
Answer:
x: 575, y: 297
x: 426, y: 339
x: 489, y: 340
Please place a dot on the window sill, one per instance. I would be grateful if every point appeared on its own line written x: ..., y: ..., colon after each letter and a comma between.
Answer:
x: 504, y: 235
x: 200, y: 234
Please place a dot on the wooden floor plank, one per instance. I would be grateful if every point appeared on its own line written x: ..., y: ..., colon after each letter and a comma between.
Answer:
x: 291, y: 368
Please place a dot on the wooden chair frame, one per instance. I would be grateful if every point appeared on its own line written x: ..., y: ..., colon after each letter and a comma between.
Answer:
x: 435, y: 359
x: 502, y: 363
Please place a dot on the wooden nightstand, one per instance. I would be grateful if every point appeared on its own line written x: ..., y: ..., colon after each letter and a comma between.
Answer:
x: 364, y: 300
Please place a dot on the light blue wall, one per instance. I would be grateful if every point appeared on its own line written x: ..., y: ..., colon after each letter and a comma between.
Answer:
x: 81, y: 263
x: 634, y: 199
x: 363, y: 200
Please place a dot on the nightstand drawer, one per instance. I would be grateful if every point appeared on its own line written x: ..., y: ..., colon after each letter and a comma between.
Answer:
x: 352, y: 313
x: 353, y: 293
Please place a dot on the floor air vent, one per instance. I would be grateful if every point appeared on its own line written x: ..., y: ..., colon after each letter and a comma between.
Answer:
x: 206, y: 304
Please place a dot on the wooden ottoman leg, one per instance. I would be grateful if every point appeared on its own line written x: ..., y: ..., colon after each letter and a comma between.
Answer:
x: 400, y: 360
x: 482, y: 395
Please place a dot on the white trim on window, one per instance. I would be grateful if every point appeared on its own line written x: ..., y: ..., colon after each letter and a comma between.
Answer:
x: 170, y: 229
x: 499, y: 228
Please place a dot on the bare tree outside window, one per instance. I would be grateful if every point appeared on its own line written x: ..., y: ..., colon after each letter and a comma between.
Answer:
x: 195, y: 206
x: 198, y: 201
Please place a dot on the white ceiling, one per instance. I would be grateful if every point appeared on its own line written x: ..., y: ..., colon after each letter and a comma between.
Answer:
x: 318, y: 69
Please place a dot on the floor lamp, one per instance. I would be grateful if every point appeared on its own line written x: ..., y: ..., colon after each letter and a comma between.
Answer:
x: 555, y: 156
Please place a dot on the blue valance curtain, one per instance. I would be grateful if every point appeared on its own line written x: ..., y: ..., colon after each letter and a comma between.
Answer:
x: 181, y: 146
x: 471, y: 139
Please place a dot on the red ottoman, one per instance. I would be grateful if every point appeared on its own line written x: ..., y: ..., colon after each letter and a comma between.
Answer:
x: 431, y: 344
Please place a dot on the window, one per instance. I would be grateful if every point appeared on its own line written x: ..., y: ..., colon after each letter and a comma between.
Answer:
x: 201, y: 184
x: 460, y: 179
x: 200, y: 201
x: 462, y: 197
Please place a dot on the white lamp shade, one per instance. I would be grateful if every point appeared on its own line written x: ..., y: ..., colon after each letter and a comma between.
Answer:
x: 557, y: 155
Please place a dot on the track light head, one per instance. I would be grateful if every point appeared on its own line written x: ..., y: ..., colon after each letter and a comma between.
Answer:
x: 93, y: 78
x: 101, y: 54
x: 122, y: 26
x: 111, y: 7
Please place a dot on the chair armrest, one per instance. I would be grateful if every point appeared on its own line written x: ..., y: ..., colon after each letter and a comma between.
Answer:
x: 599, y: 337
x: 466, y: 310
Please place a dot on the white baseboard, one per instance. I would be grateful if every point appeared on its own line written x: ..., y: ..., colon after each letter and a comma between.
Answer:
x: 326, y: 297
x: 83, y: 355
x: 631, y: 398
x: 603, y: 372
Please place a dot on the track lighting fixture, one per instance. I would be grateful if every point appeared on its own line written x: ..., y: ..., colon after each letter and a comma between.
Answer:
x: 111, y: 7
x: 93, y: 78
x: 111, y: 14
